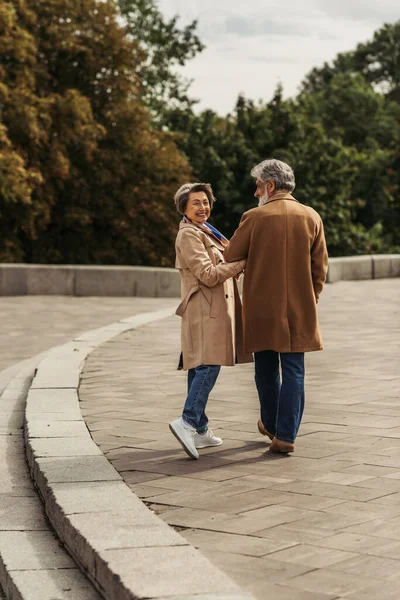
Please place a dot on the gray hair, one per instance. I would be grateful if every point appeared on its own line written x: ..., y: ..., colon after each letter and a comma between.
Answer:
x: 277, y: 171
x: 182, y: 195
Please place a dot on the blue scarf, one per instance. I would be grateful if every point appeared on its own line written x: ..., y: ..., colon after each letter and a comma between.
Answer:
x: 209, y: 229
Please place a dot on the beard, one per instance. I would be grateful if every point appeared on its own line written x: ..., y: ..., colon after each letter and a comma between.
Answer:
x: 264, y: 199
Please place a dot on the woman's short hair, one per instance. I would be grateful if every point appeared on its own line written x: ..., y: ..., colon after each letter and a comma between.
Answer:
x: 277, y: 171
x: 182, y: 195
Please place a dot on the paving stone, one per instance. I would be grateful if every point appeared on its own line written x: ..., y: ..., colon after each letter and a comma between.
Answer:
x: 63, y: 584
x: 381, y: 528
x: 152, y: 572
x: 296, y: 532
x: 382, y: 568
x: 312, y: 502
x: 383, y: 591
x: 312, y: 556
x: 20, y: 514
x: 236, y: 544
x: 42, y: 447
x: 331, y: 582
x: 76, y: 469
x: 32, y: 550
x: 126, y: 529
x: 248, y: 570
x: 372, y: 509
x: 235, y: 503
x: 56, y: 429
x: 13, y: 473
x: 103, y: 334
x: 363, y: 544
x: 56, y: 373
x: 277, y: 590
x: 333, y: 491
x: 332, y: 521
x: 10, y: 423
x: 63, y: 402
x: 213, y: 596
x: 90, y: 497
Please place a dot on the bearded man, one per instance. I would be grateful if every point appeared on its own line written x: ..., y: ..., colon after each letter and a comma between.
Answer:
x: 284, y: 245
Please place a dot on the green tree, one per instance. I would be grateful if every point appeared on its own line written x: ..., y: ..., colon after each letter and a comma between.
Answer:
x: 378, y: 60
x: 340, y: 142
x: 164, y: 46
x: 352, y: 112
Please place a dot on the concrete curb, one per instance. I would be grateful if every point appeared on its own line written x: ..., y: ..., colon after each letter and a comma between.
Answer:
x: 33, y: 564
x: 153, y: 282
x: 126, y: 551
x: 355, y: 268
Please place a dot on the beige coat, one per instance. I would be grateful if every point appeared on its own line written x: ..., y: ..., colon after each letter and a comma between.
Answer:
x: 210, y: 307
x: 284, y: 244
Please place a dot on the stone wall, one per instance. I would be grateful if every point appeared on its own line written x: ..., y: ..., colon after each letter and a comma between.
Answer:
x: 153, y: 282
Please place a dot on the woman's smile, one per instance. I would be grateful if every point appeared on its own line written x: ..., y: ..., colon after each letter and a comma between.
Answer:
x: 198, y: 207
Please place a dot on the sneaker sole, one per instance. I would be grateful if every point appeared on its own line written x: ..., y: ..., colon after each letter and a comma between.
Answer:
x: 186, y: 449
x: 209, y: 446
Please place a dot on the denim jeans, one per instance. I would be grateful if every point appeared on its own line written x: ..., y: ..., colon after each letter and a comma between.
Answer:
x: 201, y: 381
x: 281, y: 403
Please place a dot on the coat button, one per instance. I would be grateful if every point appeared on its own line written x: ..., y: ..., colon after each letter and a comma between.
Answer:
x: 226, y: 296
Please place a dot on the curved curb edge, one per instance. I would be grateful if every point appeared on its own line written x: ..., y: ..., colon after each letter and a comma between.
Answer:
x: 30, y: 555
x: 124, y: 549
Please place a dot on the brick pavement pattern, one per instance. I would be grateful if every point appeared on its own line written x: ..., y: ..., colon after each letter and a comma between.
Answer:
x: 33, y: 324
x: 321, y: 524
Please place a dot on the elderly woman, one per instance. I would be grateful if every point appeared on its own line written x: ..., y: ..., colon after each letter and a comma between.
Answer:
x: 210, y: 311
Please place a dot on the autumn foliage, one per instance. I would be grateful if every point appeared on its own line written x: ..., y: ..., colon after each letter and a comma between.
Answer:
x: 84, y: 177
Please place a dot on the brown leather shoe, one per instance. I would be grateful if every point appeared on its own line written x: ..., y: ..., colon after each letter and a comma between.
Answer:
x: 264, y: 431
x: 281, y: 446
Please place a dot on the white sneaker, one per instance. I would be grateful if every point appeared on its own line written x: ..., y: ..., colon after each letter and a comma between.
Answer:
x: 184, y: 433
x: 206, y: 439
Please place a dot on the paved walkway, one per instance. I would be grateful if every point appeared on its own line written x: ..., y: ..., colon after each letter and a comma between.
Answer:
x: 32, y: 324
x: 319, y: 525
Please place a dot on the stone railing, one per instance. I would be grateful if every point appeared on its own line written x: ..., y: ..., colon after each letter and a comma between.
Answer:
x: 375, y: 266
x: 153, y: 282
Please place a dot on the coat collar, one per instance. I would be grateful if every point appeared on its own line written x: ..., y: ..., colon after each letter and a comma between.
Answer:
x: 192, y: 226
x: 283, y: 195
x: 186, y: 225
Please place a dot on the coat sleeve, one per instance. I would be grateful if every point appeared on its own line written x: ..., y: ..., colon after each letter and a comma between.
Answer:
x: 191, y: 247
x: 238, y: 247
x: 319, y: 261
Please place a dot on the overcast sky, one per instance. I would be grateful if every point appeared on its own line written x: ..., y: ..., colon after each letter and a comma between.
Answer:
x: 253, y: 45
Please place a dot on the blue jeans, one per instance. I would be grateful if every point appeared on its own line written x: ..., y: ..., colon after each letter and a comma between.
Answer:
x: 201, y: 381
x: 281, y: 403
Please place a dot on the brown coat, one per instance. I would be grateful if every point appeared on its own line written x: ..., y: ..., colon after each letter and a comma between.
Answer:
x: 284, y: 244
x: 210, y: 308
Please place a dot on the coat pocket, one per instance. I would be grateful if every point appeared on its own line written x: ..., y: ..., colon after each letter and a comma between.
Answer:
x: 180, y: 311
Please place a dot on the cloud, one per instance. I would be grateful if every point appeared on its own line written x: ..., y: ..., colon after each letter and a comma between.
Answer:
x: 369, y: 11
x: 252, y: 46
x: 246, y: 26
